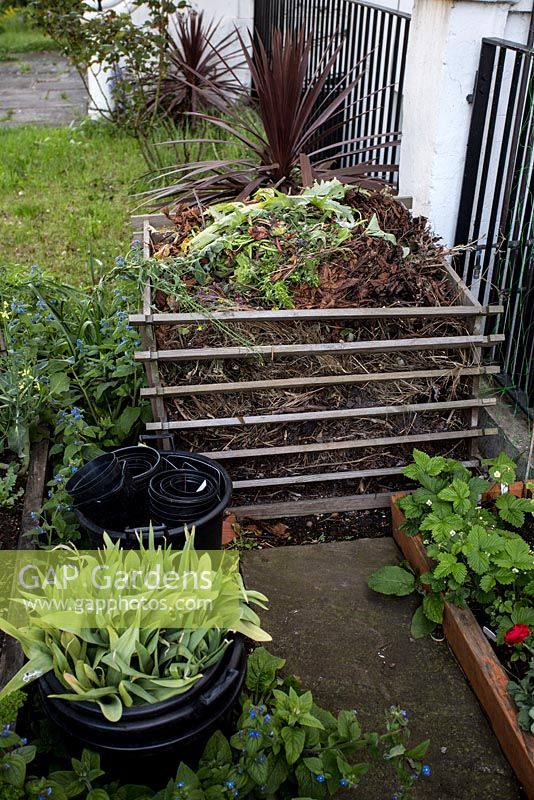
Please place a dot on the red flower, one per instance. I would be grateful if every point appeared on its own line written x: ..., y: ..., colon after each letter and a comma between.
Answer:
x: 517, y: 634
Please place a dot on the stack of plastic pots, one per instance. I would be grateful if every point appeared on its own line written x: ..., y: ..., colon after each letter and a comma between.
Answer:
x: 167, y: 491
x: 101, y: 489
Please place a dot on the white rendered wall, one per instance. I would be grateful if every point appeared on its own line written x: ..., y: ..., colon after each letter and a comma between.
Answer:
x: 442, y: 59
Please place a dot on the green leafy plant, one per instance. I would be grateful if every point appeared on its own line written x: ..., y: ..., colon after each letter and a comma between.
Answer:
x: 284, y: 745
x: 522, y: 692
x: 69, y: 368
x: 15, y: 755
x: 476, y: 557
x: 8, y: 481
x: 263, y: 249
x: 130, y: 663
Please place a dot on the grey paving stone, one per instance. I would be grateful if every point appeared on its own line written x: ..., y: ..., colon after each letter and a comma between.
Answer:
x: 353, y: 649
x: 40, y: 88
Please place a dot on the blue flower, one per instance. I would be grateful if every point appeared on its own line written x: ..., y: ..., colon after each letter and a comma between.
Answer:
x: 404, y: 713
x: 425, y: 770
x: 261, y: 760
x: 119, y: 261
x: 254, y: 734
x: 252, y: 714
x: 180, y: 784
x: 73, y: 469
x: 79, y: 345
x: 230, y: 784
x: 343, y: 782
x: 135, y: 244
x: 24, y: 741
x: 267, y: 718
x: 58, y: 478
x: 34, y: 516
x: 235, y: 793
x: 320, y: 778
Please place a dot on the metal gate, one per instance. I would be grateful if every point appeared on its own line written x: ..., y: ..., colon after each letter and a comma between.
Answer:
x: 496, y: 213
x: 376, y: 38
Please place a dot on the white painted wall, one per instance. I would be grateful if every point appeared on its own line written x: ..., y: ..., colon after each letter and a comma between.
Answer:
x: 442, y: 59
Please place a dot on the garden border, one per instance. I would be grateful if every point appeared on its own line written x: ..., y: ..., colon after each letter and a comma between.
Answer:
x: 476, y: 658
x: 12, y: 657
x: 467, y: 308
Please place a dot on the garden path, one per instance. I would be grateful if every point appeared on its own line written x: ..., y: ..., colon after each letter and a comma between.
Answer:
x: 353, y: 649
x: 40, y: 88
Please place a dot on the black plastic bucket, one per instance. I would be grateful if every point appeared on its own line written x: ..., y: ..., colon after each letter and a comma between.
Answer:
x: 208, y: 524
x: 153, y: 736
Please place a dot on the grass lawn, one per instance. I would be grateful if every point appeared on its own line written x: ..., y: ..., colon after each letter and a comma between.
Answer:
x: 63, y: 193
x: 16, y: 36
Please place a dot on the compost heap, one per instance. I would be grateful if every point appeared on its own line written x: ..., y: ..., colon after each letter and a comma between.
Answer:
x: 330, y: 247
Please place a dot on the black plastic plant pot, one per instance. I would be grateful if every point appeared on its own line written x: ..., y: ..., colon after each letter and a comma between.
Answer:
x: 153, y: 737
x: 110, y: 508
x: 141, y: 464
x: 208, y: 523
x: 100, y: 476
x: 180, y: 496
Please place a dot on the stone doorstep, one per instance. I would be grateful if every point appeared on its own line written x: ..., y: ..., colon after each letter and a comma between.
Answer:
x: 352, y: 648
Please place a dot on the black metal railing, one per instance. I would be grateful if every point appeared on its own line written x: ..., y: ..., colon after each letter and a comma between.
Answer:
x: 496, y: 212
x: 373, y: 43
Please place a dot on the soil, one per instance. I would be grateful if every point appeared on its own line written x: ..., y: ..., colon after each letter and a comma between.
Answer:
x: 527, y: 531
x: 320, y: 528
x: 11, y: 519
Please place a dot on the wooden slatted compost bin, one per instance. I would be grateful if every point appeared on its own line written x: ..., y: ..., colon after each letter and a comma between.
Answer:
x: 321, y: 413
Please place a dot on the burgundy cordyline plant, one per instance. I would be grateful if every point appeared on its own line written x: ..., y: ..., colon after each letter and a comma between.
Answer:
x: 287, y: 138
x: 195, y: 68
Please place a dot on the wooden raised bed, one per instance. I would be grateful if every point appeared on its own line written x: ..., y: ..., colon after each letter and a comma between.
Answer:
x: 11, y: 655
x: 469, y: 346
x: 477, y: 659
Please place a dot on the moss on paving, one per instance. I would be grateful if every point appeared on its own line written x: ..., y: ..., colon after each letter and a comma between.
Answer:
x: 65, y: 192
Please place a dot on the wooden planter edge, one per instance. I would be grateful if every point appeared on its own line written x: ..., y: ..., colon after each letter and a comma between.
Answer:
x: 481, y: 666
x: 12, y: 657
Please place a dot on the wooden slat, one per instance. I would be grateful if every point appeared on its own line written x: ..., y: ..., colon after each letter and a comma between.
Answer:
x: 148, y: 340
x: 464, y: 292
x: 157, y: 220
x: 315, y: 314
x: 305, y: 383
x: 487, y: 677
x: 333, y: 348
x: 326, y: 477
x: 315, y: 416
x: 11, y: 656
x: 350, y: 444
x: 302, y: 508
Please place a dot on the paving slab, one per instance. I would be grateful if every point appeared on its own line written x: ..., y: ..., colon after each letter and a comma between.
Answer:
x: 40, y: 88
x: 352, y: 648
